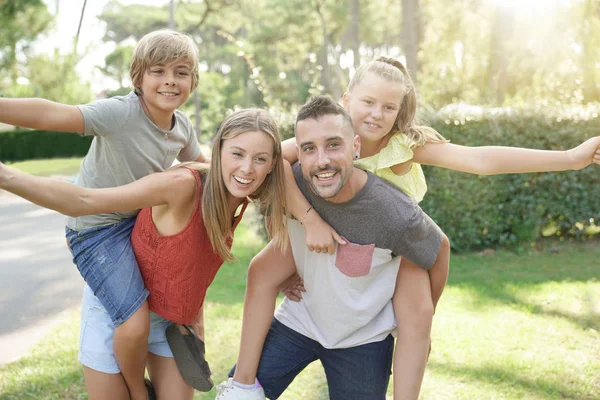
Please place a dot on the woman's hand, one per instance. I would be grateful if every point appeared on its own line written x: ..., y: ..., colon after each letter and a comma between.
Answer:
x: 293, y: 287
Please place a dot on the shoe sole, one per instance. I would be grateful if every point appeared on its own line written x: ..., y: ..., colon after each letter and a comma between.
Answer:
x: 188, y: 351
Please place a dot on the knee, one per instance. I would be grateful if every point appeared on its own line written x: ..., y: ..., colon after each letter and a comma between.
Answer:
x: 414, y: 320
x: 136, y: 328
x: 445, y: 247
x: 259, y: 277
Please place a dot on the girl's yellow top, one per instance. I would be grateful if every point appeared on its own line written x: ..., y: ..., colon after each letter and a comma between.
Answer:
x: 397, y: 152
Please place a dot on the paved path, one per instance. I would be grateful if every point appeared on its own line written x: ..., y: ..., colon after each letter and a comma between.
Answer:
x: 38, y: 281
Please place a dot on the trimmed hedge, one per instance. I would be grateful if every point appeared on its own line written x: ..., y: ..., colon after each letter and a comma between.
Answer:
x: 515, y: 210
x: 476, y: 212
x: 22, y: 145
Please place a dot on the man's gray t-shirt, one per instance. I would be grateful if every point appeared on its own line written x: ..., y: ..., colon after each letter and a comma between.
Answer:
x: 348, y: 298
x: 127, y: 146
x: 383, y: 215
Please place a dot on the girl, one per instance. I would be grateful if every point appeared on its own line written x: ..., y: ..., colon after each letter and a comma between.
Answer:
x: 381, y: 101
x: 180, y: 238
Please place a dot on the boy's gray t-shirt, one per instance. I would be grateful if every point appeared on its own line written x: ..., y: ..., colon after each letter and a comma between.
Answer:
x: 348, y: 298
x: 127, y: 146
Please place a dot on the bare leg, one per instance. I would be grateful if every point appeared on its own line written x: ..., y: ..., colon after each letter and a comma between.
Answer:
x: 166, y: 379
x: 130, y: 344
x: 414, y: 303
x: 102, y: 386
x: 438, y: 273
x: 267, y: 271
x: 414, y: 312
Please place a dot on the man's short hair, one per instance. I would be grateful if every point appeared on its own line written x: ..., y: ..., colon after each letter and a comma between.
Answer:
x: 319, y: 106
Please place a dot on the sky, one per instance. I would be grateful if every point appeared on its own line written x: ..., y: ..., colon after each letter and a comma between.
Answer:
x: 90, y: 39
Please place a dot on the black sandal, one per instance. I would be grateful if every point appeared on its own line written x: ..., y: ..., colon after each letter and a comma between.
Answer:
x: 150, y: 389
x: 188, y: 351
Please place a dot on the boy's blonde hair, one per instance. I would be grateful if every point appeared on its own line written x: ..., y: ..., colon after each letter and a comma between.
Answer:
x: 270, y: 196
x: 394, y: 71
x: 163, y: 47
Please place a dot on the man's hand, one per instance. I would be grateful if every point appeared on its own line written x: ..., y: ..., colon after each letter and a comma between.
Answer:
x: 293, y: 287
x: 586, y: 153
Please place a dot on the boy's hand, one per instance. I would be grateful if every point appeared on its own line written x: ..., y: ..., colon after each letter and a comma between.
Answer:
x: 4, y: 171
x: 586, y: 153
x: 293, y: 287
x: 320, y: 237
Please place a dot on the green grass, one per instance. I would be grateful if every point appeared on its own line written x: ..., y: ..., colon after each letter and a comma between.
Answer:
x: 49, y: 167
x: 508, y: 327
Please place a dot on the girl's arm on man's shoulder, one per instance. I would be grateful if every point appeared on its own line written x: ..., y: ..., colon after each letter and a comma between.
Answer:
x: 320, y: 237
x: 492, y: 160
x: 288, y: 150
x: 41, y: 114
x: 155, y: 189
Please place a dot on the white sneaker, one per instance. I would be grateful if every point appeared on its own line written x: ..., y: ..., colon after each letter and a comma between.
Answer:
x: 228, y: 391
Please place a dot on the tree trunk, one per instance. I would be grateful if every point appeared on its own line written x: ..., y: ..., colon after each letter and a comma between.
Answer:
x: 355, y: 31
x: 79, y: 27
x: 323, y: 56
x: 172, y: 14
x: 197, y: 116
x: 502, y: 32
x: 412, y: 33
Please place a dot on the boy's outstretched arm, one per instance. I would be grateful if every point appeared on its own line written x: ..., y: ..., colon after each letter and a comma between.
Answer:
x: 491, y: 160
x: 41, y: 114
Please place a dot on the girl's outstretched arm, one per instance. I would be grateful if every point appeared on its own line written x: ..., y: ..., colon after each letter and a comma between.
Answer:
x: 155, y: 189
x: 491, y: 160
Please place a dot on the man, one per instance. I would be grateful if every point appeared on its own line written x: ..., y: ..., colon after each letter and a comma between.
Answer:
x: 345, y: 317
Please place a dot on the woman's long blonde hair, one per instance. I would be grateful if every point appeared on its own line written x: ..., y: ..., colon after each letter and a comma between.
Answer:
x: 394, y: 71
x: 270, y: 196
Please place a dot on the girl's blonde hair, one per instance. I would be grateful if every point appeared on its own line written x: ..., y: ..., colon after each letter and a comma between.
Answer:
x: 163, y: 47
x: 270, y: 196
x: 394, y: 71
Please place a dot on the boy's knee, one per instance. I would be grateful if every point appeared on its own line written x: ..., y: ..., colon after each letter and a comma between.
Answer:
x: 137, y: 327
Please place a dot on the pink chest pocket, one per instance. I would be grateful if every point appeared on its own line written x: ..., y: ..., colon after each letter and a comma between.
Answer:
x: 354, y: 260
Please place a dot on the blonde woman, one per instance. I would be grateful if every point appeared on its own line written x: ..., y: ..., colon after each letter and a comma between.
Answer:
x: 181, y: 237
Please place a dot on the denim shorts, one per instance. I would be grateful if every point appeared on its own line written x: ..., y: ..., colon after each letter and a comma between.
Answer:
x: 355, y: 373
x: 97, y: 331
x: 105, y: 260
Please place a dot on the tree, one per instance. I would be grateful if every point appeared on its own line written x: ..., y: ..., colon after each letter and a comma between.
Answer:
x: 412, y: 34
x: 21, y: 21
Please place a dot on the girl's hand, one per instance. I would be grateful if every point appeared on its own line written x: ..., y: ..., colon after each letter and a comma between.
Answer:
x: 293, y: 287
x: 320, y: 237
x: 586, y: 153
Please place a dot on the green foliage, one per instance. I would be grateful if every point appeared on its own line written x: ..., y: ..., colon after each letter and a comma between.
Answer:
x: 21, y: 21
x: 515, y: 210
x: 21, y: 145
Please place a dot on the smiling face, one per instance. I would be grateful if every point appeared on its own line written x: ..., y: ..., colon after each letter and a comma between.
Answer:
x: 373, y: 105
x: 246, y: 160
x: 165, y: 88
x: 326, y: 148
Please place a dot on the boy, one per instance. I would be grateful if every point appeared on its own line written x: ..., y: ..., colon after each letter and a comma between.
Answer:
x: 134, y: 135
